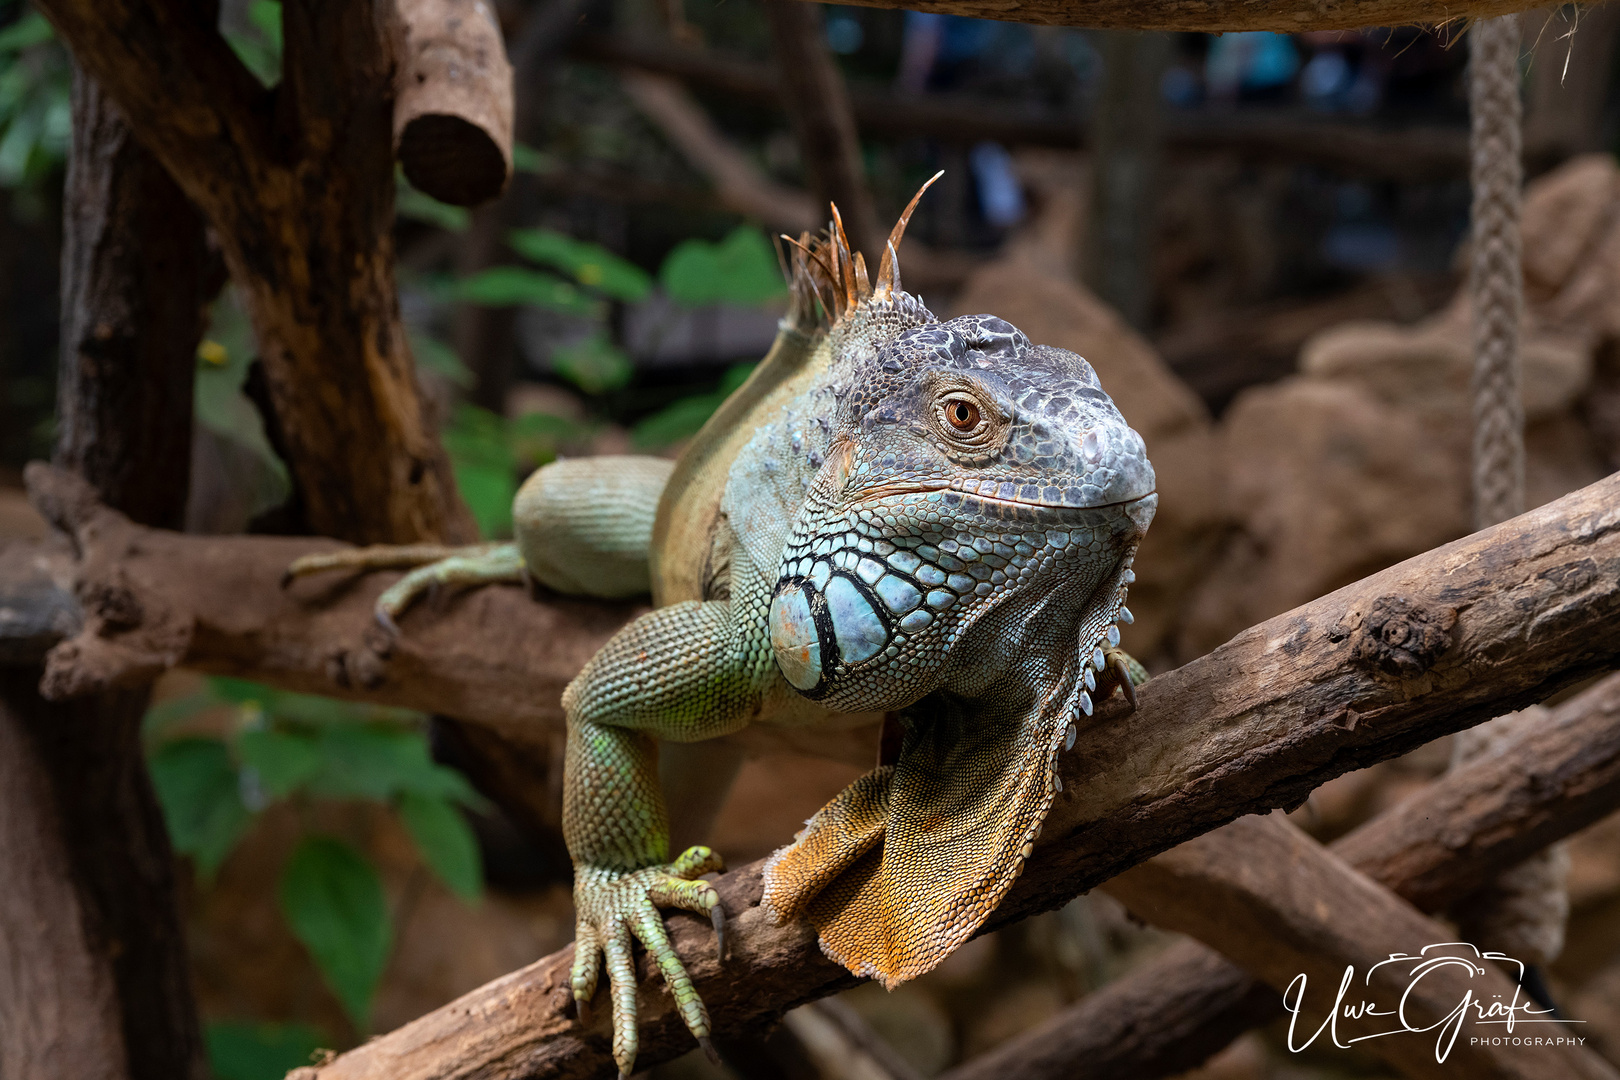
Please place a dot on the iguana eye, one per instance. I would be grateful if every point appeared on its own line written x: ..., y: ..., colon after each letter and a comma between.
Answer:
x: 961, y: 414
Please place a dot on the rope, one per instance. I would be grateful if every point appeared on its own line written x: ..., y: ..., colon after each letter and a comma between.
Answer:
x: 1495, y: 279
x: 1522, y: 911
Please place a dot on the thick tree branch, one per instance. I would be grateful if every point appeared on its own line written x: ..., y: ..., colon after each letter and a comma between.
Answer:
x: 298, y: 185
x: 1216, y: 16
x: 1432, y: 849
x: 1484, y: 625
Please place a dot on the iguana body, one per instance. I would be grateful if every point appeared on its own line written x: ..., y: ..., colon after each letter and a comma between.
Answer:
x: 893, y: 515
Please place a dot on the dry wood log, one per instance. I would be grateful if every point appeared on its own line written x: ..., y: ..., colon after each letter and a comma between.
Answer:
x: 1432, y: 849
x: 1282, y: 906
x: 1359, y: 149
x: 1484, y: 625
x: 1216, y: 16
x: 453, y: 109
x: 298, y: 186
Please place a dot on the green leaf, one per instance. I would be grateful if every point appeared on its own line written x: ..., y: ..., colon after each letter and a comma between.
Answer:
x: 367, y: 761
x: 420, y: 206
x: 684, y: 418
x: 528, y: 159
x: 333, y: 900
x: 30, y: 30
x: 509, y: 286
x: 198, y: 787
x: 595, y: 365
x: 484, y: 465
x: 680, y: 420
x: 435, y: 356
x: 590, y: 264
x: 446, y: 842
x: 260, y: 49
x: 243, y: 1051
x: 283, y: 760
x: 741, y: 269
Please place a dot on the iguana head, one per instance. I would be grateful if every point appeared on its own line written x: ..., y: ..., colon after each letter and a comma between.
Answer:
x: 962, y: 557
x: 971, y: 471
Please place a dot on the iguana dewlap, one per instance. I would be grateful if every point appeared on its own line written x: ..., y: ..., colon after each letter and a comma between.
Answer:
x: 894, y: 514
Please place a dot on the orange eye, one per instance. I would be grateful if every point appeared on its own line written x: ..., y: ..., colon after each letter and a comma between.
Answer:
x: 962, y: 415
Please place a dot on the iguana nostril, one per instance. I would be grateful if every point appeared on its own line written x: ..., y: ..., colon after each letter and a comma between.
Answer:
x: 1092, y: 446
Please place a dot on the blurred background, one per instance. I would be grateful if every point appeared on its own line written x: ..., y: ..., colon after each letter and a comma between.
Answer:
x: 1255, y: 238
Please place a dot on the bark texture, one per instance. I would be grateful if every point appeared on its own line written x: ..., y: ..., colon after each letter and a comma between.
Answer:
x: 96, y: 981
x: 298, y: 185
x: 1431, y: 850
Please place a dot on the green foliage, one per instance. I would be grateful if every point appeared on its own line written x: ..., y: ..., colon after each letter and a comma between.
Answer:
x: 333, y: 900
x: 223, y: 360
x: 259, y: 43
x: 595, y: 365
x: 434, y: 355
x: 682, y: 419
x: 36, y: 113
x: 510, y: 286
x: 420, y: 206
x: 197, y: 786
x: 446, y: 842
x: 238, y: 1051
x: 590, y: 264
x: 487, y: 451
x: 741, y: 269
x: 301, y: 747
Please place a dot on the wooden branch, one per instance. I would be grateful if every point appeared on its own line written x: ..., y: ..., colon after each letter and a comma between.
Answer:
x: 1216, y: 16
x: 1478, y: 627
x: 1433, y: 849
x: 298, y: 186
x: 742, y: 187
x: 818, y: 109
x: 1281, y: 905
x: 454, y: 105
x: 1356, y: 148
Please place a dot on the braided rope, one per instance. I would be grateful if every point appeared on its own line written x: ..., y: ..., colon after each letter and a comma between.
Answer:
x: 1495, y: 279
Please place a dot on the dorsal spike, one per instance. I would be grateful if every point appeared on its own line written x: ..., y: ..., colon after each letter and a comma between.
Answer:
x: 889, y: 267
x: 863, y: 287
x: 846, y: 262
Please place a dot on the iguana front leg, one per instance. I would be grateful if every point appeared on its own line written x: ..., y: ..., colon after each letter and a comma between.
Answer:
x: 686, y: 672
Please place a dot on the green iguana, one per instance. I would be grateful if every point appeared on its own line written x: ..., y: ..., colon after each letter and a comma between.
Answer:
x: 894, y: 515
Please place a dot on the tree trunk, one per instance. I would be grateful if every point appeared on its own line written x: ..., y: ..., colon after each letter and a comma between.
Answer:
x: 96, y: 983
x: 299, y: 187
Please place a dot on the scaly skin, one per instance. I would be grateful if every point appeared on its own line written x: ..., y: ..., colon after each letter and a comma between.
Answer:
x: 893, y: 514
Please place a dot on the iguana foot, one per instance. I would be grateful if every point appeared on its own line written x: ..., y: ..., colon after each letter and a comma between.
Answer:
x: 476, y: 564
x: 612, y: 909
x: 1112, y: 668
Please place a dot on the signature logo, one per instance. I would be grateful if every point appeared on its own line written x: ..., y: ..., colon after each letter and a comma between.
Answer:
x: 1469, y: 1010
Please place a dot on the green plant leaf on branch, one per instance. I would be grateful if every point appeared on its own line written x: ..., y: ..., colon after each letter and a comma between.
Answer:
x: 333, y: 900
x: 511, y: 286
x: 595, y: 365
x: 741, y: 269
x: 284, y: 761
x: 246, y: 1051
x: 481, y: 458
x: 590, y: 264
x: 445, y: 841
x: 199, y: 790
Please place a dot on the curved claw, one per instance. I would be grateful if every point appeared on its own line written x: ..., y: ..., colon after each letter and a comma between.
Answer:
x: 386, y: 621
x: 1126, y: 686
x: 710, y: 1052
